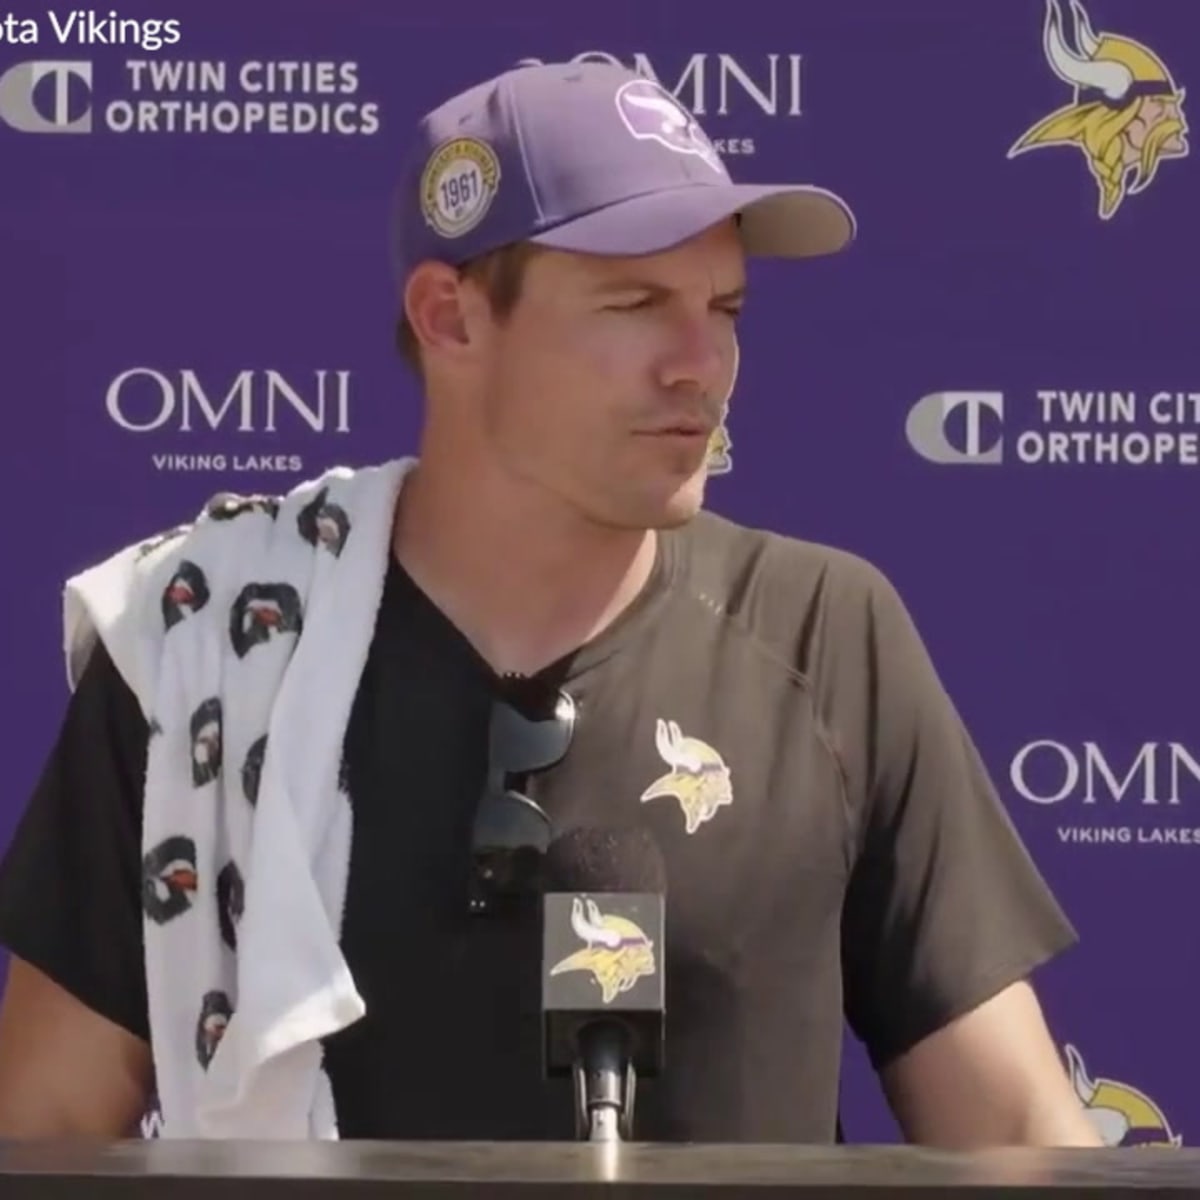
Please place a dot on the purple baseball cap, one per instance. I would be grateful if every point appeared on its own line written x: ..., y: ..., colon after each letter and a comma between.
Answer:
x: 588, y: 157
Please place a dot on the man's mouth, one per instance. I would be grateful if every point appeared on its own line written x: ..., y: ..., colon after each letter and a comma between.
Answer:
x: 689, y: 429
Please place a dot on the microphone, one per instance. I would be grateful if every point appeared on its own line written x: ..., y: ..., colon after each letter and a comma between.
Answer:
x: 603, y: 994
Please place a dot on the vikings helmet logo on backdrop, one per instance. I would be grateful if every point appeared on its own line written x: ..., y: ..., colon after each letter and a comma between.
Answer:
x: 1121, y: 1115
x: 720, y: 451
x: 720, y: 444
x: 1126, y: 116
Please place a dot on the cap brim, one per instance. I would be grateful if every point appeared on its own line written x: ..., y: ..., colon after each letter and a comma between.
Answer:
x: 777, y: 221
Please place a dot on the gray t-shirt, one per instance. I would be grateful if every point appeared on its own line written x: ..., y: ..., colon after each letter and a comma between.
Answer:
x: 766, y: 709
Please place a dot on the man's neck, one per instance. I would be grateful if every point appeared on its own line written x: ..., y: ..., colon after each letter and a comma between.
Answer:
x: 525, y: 579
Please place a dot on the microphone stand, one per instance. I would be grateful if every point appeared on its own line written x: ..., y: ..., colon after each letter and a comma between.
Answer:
x: 604, y: 1083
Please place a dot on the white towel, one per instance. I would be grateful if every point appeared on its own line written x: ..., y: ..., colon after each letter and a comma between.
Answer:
x: 244, y: 635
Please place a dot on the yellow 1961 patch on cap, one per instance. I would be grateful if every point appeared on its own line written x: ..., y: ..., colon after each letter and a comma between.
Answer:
x: 458, y: 185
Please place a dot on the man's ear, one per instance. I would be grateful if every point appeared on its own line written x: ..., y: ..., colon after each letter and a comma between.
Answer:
x: 433, y: 304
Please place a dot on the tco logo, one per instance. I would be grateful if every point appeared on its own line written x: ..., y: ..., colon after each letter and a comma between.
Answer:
x: 930, y: 421
x: 28, y: 104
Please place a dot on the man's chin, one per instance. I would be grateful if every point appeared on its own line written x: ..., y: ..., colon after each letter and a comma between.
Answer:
x: 638, y: 505
x: 682, y: 505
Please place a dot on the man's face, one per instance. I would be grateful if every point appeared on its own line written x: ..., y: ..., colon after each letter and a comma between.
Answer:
x: 605, y: 382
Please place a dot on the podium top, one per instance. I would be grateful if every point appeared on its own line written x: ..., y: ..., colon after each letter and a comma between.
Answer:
x: 566, y: 1171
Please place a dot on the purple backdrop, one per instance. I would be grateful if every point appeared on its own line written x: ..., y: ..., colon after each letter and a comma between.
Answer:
x: 994, y: 396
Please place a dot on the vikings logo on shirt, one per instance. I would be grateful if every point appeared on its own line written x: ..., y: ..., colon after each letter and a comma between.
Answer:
x: 651, y: 113
x: 263, y: 609
x: 231, y: 902
x: 186, y: 592
x: 215, y: 1013
x: 228, y: 505
x: 698, y: 778
x: 169, y: 879
x: 1121, y: 1115
x: 616, y: 951
x: 252, y: 769
x: 206, y: 742
x: 324, y: 524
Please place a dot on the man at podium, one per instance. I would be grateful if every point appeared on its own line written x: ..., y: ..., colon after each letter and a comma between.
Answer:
x: 243, y: 883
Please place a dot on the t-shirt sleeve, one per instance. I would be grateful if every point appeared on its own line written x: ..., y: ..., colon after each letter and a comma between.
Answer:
x: 70, y: 881
x: 945, y: 906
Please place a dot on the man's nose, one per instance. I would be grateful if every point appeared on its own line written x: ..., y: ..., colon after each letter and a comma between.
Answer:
x: 698, y: 356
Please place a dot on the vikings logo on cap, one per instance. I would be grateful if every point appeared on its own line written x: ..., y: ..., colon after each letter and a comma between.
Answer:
x: 651, y: 113
x: 458, y: 185
x: 324, y: 524
x: 1126, y: 116
x: 215, y: 1014
x: 616, y: 951
x: 206, y: 742
x: 1121, y: 1115
x: 261, y: 611
x: 186, y: 592
x: 698, y: 778
x: 169, y: 879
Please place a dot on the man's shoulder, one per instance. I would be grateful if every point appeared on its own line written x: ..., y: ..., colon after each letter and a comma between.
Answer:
x: 825, y: 612
x: 745, y: 566
x: 140, y: 590
x: 314, y: 507
x: 150, y: 560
